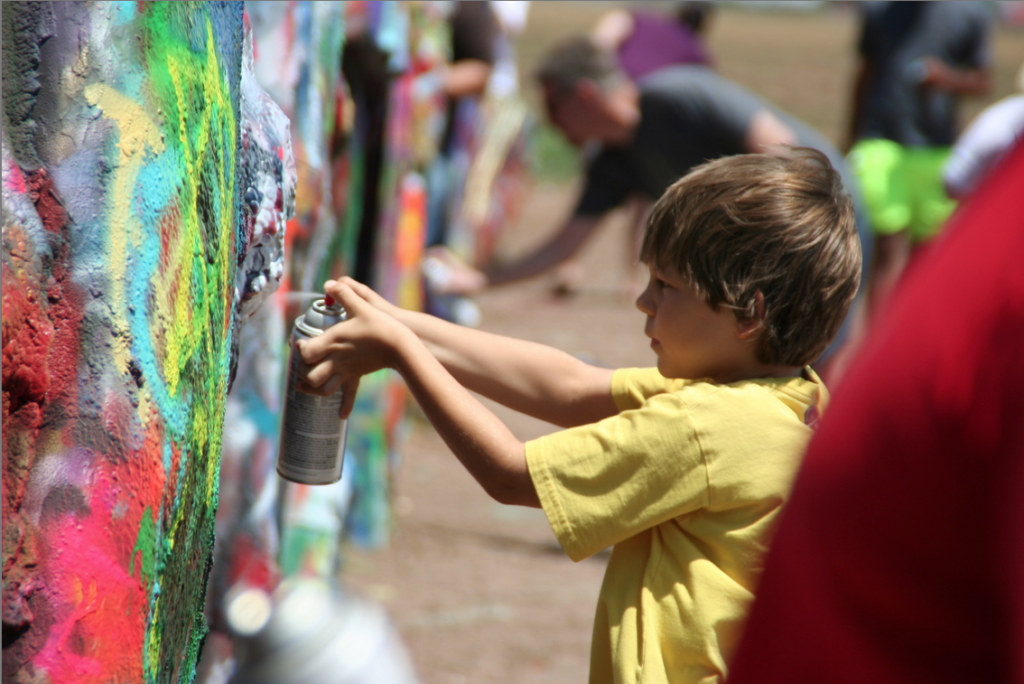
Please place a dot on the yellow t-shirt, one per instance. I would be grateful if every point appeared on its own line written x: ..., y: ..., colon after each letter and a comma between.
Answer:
x: 686, y: 482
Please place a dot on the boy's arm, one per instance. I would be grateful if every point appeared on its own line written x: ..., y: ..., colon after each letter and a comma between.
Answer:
x: 369, y: 340
x: 531, y: 378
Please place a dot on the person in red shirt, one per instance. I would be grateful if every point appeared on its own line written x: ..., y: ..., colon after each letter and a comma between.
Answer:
x: 901, y: 555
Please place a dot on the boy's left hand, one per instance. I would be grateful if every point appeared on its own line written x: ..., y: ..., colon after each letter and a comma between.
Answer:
x: 366, y: 341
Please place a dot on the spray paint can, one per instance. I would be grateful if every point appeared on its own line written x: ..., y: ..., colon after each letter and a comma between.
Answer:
x: 312, y: 435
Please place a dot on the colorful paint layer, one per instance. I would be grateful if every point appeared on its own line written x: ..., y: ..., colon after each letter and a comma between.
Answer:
x: 124, y: 232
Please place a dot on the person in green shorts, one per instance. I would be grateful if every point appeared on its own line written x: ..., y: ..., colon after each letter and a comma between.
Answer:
x: 916, y: 60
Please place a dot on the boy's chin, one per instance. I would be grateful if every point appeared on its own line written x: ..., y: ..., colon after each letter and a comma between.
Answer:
x: 667, y: 371
x: 670, y: 372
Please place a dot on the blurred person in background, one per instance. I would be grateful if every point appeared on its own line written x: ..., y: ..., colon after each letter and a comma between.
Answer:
x: 474, y: 30
x: 482, y: 64
x: 650, y: 133
x: 644, y: 42
x: 988, y: 138
x: 917, y: 59
x: 901, y: 555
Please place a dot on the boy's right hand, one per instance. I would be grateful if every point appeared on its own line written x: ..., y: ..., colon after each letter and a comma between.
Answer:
x: 366, y: 293
x: 368, y: 340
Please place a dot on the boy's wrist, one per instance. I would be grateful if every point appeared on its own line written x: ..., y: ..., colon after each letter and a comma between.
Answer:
x: 404, y: 347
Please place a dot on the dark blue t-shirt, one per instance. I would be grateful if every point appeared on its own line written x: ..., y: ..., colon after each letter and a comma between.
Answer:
x: 894, y: 37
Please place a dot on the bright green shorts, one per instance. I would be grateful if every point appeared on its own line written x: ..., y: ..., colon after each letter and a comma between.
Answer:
x: 902, y: 187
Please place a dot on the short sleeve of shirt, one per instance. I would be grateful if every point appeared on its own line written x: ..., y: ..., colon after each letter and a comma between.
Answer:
x: 602, y: 483
x: 631, y: 387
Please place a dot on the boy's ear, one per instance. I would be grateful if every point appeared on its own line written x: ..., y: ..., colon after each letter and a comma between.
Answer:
x: 748, y: 329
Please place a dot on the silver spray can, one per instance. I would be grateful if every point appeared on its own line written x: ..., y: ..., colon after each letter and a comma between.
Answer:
x: 312, y: 435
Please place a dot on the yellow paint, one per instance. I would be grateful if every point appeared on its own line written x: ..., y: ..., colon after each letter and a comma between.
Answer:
x: 184, y: 336
x: 153, y: 654
x: 138, y: 132
x: 212, y: 469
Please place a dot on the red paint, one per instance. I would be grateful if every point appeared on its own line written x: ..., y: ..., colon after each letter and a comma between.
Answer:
x: 51, y: 211
x: 170, y: 222
x: 66, y: 312
x: 251, y: 564
x: 156, y: 439
x: 27, y: 336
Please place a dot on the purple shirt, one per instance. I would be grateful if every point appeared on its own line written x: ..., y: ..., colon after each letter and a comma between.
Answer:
x: 659, y: 41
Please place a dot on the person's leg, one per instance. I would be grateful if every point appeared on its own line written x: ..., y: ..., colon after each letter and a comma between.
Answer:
x: 880, y: 167
x: 892, y: 253
x: 930, y: 205
x: 438, y: 199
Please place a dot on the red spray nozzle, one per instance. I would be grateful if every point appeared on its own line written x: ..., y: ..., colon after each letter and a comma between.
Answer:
x: 328, y: 300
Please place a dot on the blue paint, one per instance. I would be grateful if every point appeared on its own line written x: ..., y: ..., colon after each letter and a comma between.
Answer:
x: 153, y: 193
x: 122, y: 13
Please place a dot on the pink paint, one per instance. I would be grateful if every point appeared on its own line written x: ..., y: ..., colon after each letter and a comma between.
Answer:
x: 99, y: 611
x: 16, y: 179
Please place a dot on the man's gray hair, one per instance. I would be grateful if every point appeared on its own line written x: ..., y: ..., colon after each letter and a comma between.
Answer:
x: 576, y: 59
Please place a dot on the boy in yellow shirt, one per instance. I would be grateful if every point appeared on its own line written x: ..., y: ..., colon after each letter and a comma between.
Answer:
x: 754, y: 260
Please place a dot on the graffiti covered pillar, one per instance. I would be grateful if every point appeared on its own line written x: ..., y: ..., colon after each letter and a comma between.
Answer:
x: 124, y: 233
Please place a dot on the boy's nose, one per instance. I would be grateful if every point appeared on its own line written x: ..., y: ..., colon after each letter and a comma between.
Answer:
x: 643, y: 302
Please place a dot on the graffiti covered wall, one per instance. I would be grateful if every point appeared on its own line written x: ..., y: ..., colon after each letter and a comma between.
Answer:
x: 130, y: 260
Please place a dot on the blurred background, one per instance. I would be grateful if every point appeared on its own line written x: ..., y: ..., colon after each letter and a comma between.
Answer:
x: 292, y: 142
x: 483, y: 592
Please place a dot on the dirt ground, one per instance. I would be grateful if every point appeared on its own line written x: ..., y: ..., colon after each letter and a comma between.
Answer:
x: 482, y: 592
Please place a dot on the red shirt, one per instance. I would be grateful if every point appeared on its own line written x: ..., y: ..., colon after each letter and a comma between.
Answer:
x: 901, y: 555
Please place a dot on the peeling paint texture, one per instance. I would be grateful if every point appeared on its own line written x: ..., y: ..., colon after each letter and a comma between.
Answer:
x: 145, y: 189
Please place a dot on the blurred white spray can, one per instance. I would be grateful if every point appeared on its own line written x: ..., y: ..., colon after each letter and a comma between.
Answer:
x: 309, y: 633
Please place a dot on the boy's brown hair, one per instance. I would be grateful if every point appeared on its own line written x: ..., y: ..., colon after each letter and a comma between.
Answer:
x: 778, y: 224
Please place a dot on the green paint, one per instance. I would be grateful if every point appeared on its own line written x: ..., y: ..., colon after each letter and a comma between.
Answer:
x: 145, y: 545
x: 192, y: 52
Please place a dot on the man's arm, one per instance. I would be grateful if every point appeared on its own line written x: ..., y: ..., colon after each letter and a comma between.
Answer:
x: 959, y: 81
x: 466, y: 78
x: 457, y: 277
x: 369, y: 340
x: 612, y: 29
x: 531, y: 378
x: 557, y: 249
x: 766, y: 132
